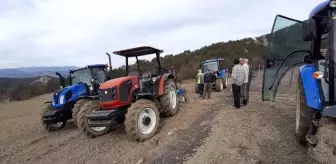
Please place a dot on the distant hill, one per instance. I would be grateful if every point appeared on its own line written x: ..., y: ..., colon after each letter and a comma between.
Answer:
x: 28, y: 72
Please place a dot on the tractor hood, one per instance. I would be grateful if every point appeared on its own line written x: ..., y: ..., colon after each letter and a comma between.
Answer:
x: 117, y: 81
x: 68, y: 94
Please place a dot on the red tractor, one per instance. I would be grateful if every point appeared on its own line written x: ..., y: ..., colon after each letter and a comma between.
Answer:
x: 137, y: 100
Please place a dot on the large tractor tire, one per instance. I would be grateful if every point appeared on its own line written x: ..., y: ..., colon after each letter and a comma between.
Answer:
x: 78, y: 105
x: 55, y: 126
x: 93, y: 132
x: 225, y: 82
x: 142, y: 120
x: 219, y: 85
x: 196, y: 88
x: 169, y: 100
x: 325, y: 150
x: 304, y: 114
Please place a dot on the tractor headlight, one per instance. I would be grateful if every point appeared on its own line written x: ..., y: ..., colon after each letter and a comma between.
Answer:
x: 154, y: 79
x: 61, y: 100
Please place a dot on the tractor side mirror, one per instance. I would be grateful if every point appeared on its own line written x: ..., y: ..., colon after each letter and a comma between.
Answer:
x: 308, y: 30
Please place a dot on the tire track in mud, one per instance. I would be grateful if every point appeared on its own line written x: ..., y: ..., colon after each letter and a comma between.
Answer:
x: 189, y: 140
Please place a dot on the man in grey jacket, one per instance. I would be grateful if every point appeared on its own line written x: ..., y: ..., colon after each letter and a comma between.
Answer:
x: 245, y: 82
x: 238, y: 77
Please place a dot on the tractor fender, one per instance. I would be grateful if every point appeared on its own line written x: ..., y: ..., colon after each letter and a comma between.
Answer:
x: 164, y: 78
x: 311, y: 87
x: 222, y: 74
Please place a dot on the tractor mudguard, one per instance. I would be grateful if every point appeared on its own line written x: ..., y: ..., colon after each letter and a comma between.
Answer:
x: 222, y: 74
x: 164, y: 77
x: 311, y: 87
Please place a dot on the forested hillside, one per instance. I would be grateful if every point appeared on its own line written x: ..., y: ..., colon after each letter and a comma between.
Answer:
x: 189, y: 61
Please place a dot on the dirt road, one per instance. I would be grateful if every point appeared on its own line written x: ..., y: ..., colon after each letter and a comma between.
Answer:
x: 204, y: 131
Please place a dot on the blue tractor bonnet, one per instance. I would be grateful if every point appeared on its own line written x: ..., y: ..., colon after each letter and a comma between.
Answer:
x: 68, y: 94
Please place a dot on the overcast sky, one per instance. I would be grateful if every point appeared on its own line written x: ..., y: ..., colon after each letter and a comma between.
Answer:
x: 79, y: 32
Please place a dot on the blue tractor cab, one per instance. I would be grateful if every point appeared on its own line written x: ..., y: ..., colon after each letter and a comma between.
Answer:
x: 221, y: 74
x: 80, y: 82
x: 309, y: 45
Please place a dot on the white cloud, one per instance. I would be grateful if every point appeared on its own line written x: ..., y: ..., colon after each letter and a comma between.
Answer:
x: 79, y: 32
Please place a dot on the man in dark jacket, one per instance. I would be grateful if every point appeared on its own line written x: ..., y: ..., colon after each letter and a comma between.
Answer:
x: 209, y: 78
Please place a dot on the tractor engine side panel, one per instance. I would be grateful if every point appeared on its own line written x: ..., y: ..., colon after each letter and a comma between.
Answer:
x: 311, y: 87
x: 125, y: 90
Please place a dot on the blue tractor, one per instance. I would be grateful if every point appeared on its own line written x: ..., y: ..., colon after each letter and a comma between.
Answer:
x: 221, y: 74
x: 309, y: 44
x: 66, y: 101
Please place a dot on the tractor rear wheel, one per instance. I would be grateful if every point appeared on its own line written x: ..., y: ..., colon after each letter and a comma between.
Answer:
x: 78, y: 105
x: 55, y: 126
x: 304, y: 114
x: 142, y: 120
x: 93, y: 132
x: 169, y: 100
x: 219, y: 85
x: 196, y: 88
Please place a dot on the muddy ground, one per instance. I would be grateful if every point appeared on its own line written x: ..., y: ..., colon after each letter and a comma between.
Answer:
x: 204, y: 131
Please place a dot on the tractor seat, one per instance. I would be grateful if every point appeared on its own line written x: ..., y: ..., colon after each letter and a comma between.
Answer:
x: 134, y: 73
x: 146, y: 74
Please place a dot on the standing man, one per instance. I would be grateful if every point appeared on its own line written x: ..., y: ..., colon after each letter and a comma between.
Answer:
x: 209, y: 78
x: 250, y: 77
x: 200, y: 82
x: 244, y: 85
x: 238, y: 77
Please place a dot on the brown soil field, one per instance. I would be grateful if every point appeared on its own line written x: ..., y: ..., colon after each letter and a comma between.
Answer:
x: 204, y: 131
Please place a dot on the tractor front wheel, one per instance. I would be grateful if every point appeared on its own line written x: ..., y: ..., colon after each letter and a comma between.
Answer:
x: 142, y: 120
x: 225, y: 82
x: 219, y: 85
x: 55, y: 126
x: 83, y: 122
x: 169, y: 99
x: 78, y: 105
x: 304, y: 114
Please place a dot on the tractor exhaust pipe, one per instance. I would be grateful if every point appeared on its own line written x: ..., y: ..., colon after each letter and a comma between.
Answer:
x: 109, y: 57
x: 61, y: 78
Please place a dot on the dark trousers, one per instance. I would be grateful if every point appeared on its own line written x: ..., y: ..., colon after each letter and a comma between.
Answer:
x: 207, y: 90
x: 201, y: 88
x: 236, y: 95
x: 248, y: 90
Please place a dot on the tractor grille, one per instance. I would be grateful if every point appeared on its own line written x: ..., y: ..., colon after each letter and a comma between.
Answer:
x: 57, y: 94
x: 108, y: 94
